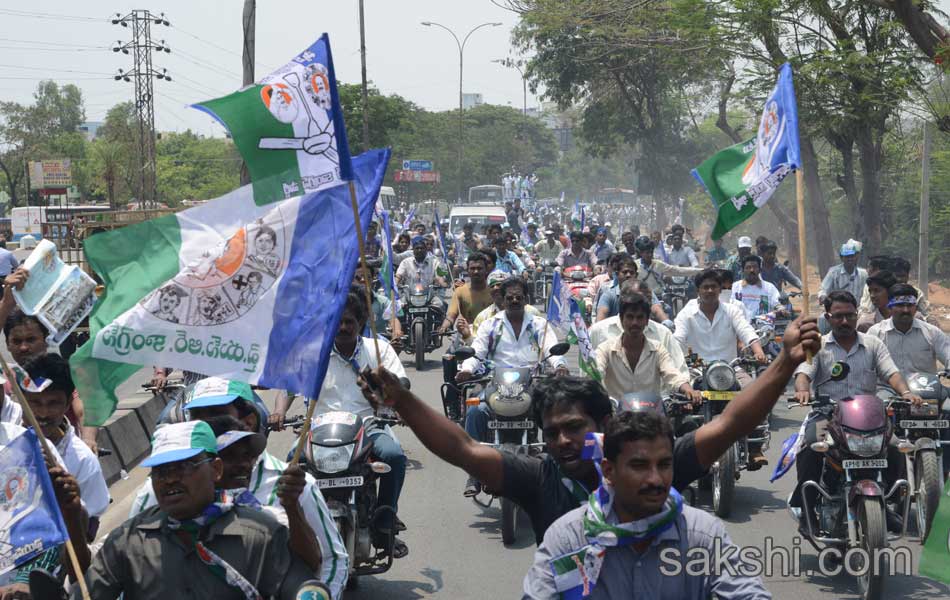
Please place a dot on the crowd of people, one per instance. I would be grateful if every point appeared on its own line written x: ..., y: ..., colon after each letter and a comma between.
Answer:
x: 230, y: 520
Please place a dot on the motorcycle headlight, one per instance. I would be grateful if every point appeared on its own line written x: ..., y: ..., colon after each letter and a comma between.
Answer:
x: 720, y: 377
x: 417, y: 299
x: 927, y: 409
x: 332, y: 460
x: 865, y: 444
x: 510, y: 390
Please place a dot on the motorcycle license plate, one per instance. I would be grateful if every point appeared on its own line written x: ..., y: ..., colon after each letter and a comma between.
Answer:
x: 528, y: 424
x: 711, y: 395
x: 871, y: 463
x: 941, y: 424
x: 413, y: 311
x: 339, y: 482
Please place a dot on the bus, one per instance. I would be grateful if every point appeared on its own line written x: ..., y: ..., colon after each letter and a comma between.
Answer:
x: 47, y: 221
x: 387, y: 198
x: 485, y: 195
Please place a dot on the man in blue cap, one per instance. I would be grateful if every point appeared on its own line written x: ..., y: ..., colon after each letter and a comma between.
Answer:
x: 844, y: 277
x: 213, y: 549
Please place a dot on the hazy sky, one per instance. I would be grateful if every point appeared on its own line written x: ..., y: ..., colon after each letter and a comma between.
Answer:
x: 70, y: 42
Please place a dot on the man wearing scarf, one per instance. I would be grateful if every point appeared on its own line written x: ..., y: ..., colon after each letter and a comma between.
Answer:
x: 632, y: 536
x: 194, y: 544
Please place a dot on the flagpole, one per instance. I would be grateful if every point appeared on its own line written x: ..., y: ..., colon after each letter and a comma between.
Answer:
x: 48, y: 453
x: 366, y: 281
x: 802, y: 249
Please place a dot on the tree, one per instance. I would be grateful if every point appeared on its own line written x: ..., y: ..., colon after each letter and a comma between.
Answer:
x: 46, y: 129
x: 193, y: 167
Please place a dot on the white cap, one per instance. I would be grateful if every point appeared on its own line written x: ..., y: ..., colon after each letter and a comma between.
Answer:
x: 27, y: 242
x: 745, y: 242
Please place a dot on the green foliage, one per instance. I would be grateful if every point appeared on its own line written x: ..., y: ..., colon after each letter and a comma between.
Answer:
x: 193, y: 167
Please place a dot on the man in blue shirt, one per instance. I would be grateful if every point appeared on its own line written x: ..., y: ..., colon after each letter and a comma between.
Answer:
x: 507, y: 260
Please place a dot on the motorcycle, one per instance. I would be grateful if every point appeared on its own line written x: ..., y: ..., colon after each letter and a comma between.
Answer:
x: 923, y: 432
x: 544, y: 279
x: 718, y: 384
x: 423, y: 314
x: 852, y: 489
x: 577, y: 279
x: 508, y: 395
x: 675, y: 294
x: 338, y: 454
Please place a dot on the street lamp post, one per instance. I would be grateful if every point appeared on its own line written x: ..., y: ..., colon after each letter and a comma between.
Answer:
x: 461, y: 47
x: 507, y: 62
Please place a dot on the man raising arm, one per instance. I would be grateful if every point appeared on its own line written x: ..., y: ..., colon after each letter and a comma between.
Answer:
x: 567, y: 409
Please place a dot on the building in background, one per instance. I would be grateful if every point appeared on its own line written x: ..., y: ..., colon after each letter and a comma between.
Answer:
x: 470, y: 101
x: 90, y: 129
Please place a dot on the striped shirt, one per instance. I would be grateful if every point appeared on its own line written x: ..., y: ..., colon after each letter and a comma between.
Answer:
x: 838, y: 279
x: 334, y: 569
x: 868, y: 359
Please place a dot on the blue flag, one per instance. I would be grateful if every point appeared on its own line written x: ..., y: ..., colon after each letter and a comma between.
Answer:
x: 440, y: 238
x: 408, y: 221
x: 32, y: 523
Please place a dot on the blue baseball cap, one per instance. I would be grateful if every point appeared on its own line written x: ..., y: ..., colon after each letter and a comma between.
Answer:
x: 214, y: 391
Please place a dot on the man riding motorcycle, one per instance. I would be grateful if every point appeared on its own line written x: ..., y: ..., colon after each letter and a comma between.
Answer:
x: 506, y: 261
x: 711, y: 329
x: 914, y: 345
x: 512, y: 339
x: 424, y: 268
x: 549, y: 248
x: 869, y: 362
x: 351, y: 355
x: 653, y: 270
x: 576, y: 255
x: 758, y: 296
x: 775, y: 272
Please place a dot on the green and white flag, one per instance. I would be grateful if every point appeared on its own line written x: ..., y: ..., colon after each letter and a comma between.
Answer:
x: 288, y: 127
x: 742, y: 178
x: 935, y: 559
x: 578, y: 335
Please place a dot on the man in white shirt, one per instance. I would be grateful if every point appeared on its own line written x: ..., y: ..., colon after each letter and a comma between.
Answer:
x: 510, y: 339
x: 49, y: 404
x: 711, y: 330
x: 758, y: 296
x: 549, y: 248
x: 423, y: 268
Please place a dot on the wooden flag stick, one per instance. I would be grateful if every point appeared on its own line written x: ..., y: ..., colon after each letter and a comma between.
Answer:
x: 366, y: 278
x: 48, y: 453
x: 802, y: 249
x: 303, y: 434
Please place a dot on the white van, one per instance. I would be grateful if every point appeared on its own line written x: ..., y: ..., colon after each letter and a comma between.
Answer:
x: 478, y: 215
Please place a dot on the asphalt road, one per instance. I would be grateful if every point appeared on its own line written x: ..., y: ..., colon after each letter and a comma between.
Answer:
x: 455, y: 548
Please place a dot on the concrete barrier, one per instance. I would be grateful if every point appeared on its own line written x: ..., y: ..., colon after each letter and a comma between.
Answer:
x: 148, y: 413
x: 128, y: 438
x: 111, y: 467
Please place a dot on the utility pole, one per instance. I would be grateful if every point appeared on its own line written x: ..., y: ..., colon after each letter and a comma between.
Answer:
x: 141, y: 48
x: 365, y: 91
x: 924, y: 248
x: 249, y: 18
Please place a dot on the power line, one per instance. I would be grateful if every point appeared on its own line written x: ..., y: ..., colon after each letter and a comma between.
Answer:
x: 200, y: 63
x: 50, y: 16
x: 46, y: 43
x: 44, y: 69
x: 38, y: 49
x: 221, y: 48
x: 70, y: 79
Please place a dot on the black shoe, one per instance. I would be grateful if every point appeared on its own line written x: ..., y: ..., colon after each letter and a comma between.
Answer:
x: 381, y: 542
x: 473, y: 487
x: 400, y: 526
x: 895, y: 522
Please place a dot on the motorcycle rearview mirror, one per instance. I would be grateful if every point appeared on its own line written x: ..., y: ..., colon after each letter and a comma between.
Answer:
x: 464, y: 352
x: 405, y: 383
x: 839, y: 371
x: 312, y: 590
x: 559, y: 349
